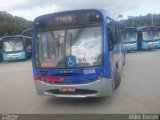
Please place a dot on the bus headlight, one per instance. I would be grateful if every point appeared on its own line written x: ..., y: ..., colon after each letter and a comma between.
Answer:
x: 100, y: 76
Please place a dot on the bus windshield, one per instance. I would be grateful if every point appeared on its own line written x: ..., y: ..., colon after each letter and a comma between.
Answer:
x: 13, y: 45
x: 156, y: 35
x: 151, y: 34
x: 84, y: 43
x: 129, y: 36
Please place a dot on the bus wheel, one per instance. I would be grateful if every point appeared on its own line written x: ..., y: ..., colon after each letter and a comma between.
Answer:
x: 124, y: 59
x: 117, y: 78
x: 124, y: 62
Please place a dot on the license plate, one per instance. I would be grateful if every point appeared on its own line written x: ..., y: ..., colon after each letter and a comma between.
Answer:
x: 13, y: 57
x: 68, y: 89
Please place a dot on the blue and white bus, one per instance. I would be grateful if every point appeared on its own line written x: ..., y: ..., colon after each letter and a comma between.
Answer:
x: 149, y: 37
x: 77, y: 54
x: 130, y: 39
x: 0, y: 50
x: 15, y: 47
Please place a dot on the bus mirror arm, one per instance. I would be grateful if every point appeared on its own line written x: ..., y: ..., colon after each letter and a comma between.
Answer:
x: 111, y: 48
x: 110, y: 38
x: 27, y: 30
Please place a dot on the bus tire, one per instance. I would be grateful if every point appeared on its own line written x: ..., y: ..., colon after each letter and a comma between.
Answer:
x: 124, y: 59
x: 124, y: 62
x: 117, y: 78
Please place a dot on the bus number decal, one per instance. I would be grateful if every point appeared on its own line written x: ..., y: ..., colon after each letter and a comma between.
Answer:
x: 89, y: 71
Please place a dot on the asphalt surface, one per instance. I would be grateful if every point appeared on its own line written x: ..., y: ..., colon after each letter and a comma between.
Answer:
x: 139, y: 91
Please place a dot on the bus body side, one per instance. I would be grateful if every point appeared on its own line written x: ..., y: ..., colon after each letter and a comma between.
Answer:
x: 28, y: 46
x: 0, y: 49
x: 11, y: 55
x: 130, y: 39
x: 71, y: 80
x: 149, y: 37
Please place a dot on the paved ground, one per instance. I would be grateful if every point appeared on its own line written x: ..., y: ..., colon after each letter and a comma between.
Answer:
x: 139, y: 91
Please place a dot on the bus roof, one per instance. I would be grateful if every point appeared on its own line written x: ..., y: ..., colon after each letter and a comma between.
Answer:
x: 131, y: 28
x: 11, y: 36
x: 14, y: 36
x: 104, y: 12
x: 147, y: 27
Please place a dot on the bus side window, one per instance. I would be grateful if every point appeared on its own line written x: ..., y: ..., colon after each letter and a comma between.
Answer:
x: 0, y: 44
x: 110, y: 39
x: 0, y: 50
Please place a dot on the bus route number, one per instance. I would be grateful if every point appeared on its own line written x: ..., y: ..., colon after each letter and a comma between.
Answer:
x: 89, y: 71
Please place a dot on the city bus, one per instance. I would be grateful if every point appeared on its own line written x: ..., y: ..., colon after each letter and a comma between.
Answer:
x: 149, y: 37
x: 0, y: 50
x: 15, y: 47
x: 130, y: 39
x: 77, y: 54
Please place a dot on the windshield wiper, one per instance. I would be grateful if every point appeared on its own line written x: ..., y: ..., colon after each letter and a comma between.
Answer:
x: 75, y: 38
x: 12, y: 45
x: 53, y: 35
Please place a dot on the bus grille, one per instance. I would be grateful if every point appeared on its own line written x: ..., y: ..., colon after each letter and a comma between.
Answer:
x: 72, y: 82
x: 77, y: 92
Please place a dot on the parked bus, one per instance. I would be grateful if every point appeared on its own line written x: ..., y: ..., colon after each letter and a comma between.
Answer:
x: 149, y: 37
x: 0, y: 50
x: 130, y: 39
x: 15, y: 47
x: 77, y: 54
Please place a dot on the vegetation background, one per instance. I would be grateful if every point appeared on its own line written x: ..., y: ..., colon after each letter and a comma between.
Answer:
x: 147, y: 20
x: 14, y: 25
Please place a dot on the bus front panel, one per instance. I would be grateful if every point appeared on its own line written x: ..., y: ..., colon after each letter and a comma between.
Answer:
x: 69, y: 55
x: 130, y: 39
x: 150, y: 38
x: 13, y: 49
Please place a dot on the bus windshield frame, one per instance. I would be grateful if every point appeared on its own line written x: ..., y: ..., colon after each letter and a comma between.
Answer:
x: 12, y: 44
x: 130, y: 35
x: 151, y: 34
x: 82, y: 42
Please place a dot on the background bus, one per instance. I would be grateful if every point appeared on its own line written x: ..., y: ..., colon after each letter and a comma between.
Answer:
x: 77, y: 54
x: 15, y: 47
x: 0, y: 50
x: 130, y: 39
x: 149, y: 37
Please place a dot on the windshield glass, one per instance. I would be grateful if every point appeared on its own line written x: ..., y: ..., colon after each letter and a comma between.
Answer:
x: 151, y: 34
x: 147, y: 35
x: 12, y: 45
x: 129, y: 36
x: 83, y: 46
x: 156, y: 35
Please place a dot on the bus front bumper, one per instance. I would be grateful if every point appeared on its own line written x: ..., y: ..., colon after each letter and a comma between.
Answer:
x: 102, y: 87
x: 14, y: 56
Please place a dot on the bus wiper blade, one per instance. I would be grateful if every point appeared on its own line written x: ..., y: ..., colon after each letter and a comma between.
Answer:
x: 75, y: 38
x: 53, y: 36
x: 14, y: 45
